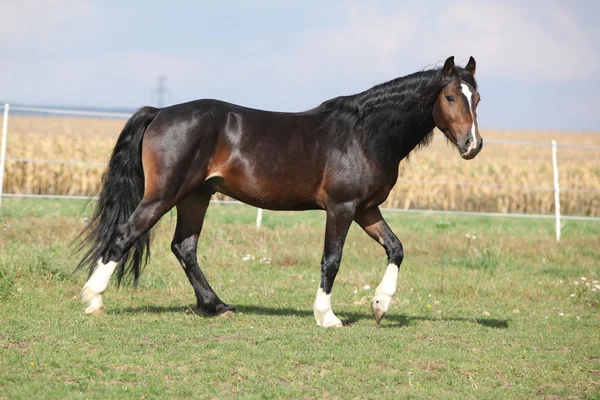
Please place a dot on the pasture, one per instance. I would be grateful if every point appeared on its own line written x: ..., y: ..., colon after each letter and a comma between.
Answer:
x: 485, y: 308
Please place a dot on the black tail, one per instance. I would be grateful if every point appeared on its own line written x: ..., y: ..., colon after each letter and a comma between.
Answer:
x: 121, y: 191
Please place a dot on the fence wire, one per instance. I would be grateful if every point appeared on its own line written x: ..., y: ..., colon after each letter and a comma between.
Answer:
x: 103, y: 114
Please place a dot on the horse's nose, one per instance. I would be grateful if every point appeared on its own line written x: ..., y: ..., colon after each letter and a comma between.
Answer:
x: 470, y: 149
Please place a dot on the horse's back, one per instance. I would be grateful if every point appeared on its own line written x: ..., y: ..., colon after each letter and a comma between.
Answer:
x: 269, y: 159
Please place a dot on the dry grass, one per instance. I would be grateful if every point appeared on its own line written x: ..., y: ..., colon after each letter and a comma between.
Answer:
x: 512, y: 167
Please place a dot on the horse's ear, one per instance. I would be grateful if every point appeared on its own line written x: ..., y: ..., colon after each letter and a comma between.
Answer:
x: 471, y: 66
x: 448, y: 67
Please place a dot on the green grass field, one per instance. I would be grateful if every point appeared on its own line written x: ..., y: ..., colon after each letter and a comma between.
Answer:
x: 504, y: 313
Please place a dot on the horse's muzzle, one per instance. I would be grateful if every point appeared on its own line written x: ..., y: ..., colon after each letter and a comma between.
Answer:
x: 470, y: 154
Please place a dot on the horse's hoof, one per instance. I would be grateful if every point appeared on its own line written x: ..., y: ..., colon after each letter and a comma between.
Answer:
x: 228, y: 315
x: 378, y: 311
x: 217, y: 311
x: 330, y: 321
x: 93, y: 310
x: 337, y: 324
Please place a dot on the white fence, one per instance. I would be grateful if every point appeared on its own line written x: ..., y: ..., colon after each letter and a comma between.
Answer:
x: 553, y: 146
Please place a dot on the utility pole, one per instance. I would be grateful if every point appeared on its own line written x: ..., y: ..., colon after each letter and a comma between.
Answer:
x: 160, y: 91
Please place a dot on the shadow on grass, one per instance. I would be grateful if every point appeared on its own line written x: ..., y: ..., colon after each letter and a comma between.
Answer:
x: 348, y: 318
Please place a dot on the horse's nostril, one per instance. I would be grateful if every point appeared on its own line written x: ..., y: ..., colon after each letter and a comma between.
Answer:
x: 468, y: 143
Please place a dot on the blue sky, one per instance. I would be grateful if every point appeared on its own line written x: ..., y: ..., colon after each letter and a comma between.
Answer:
x: 538, y: 61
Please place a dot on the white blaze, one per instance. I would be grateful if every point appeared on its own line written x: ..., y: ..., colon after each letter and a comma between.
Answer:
x: 469, y: 96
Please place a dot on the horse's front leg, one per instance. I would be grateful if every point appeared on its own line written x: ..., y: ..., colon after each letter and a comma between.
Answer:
x: 373, y: 223
x: 339, y: 219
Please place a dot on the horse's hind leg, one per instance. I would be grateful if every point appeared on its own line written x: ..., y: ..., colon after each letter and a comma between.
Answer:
x: 147, y: 213
x: 190, y: 217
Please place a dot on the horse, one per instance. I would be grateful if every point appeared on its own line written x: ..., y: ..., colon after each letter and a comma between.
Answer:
x: 342, y: 157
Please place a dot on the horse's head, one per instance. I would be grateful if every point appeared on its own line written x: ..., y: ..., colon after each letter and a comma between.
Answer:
x: 455, y: 110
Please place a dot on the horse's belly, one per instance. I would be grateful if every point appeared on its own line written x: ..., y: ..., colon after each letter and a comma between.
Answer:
x: 267, y: 193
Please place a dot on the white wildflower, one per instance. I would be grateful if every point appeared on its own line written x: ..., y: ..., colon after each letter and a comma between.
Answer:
x: 366, y: 287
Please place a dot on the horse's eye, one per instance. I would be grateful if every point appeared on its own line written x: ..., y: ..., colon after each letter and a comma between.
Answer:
x: 450, y: 98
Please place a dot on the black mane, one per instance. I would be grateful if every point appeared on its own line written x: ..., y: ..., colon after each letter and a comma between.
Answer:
x: 393, y: 115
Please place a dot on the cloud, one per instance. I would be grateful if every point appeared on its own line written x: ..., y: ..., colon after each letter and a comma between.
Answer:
x: 96, y: 53
x: 365, y: 38
x: 37, y: 25
x: 539, y: 41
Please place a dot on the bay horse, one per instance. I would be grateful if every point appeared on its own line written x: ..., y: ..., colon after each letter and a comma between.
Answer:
x: 341, y: 157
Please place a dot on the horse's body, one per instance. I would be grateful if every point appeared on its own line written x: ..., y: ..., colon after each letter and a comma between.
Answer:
x: 298, y: 167
x: 341, y: 157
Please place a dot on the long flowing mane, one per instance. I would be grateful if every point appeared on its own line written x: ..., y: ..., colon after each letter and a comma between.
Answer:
x: 396, y: 113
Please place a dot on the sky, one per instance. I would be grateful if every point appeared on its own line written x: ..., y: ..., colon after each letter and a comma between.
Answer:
x: 538, y: 61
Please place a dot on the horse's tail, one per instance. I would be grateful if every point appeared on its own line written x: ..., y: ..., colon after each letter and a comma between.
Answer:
x: 121, y: 191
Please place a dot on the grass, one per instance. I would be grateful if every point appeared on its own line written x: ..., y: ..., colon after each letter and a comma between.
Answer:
x: 503, y: 313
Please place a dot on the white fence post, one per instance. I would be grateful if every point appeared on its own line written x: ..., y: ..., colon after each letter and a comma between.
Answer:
x: 259, y: 214
x: 3, y: 149
x: 556, y: 190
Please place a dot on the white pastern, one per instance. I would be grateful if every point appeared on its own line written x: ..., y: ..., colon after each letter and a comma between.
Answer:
x: 96, y: 285
x: 385, y: 291
x: 323, y: 313
x: 467, y: 92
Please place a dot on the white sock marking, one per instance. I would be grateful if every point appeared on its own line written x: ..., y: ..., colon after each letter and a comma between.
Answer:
x: 96, y: 285
x: 322, y: 310
x: 387, y: 288
x: 469, y: 95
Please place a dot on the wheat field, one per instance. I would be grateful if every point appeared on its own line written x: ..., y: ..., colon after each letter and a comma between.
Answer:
x: 503, y: 178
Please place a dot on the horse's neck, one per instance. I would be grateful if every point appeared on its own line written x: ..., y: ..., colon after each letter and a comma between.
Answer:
x: 399, y: 144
